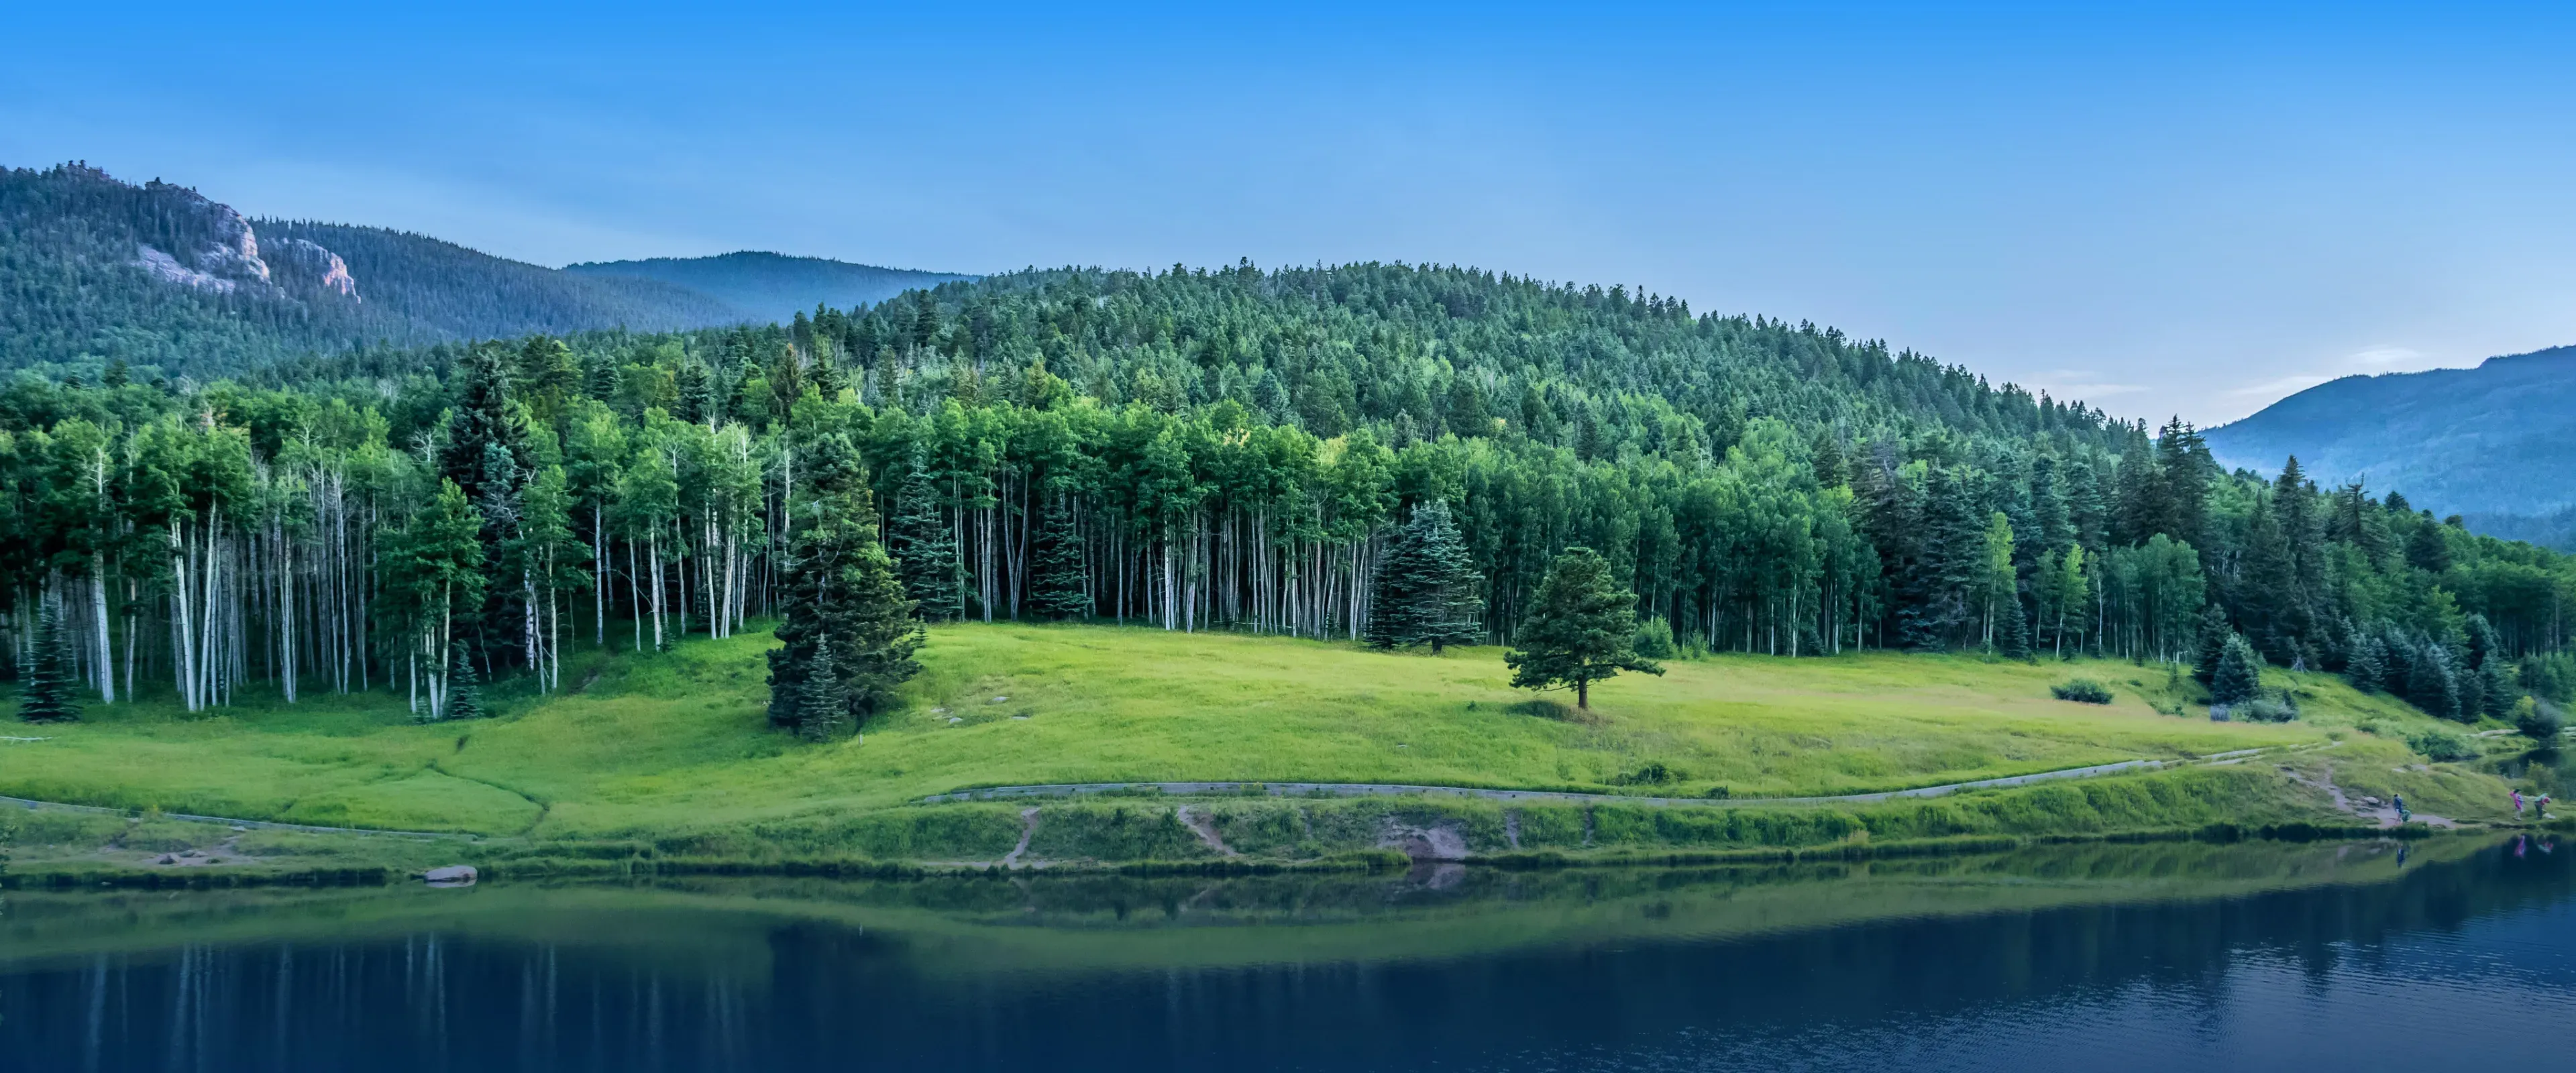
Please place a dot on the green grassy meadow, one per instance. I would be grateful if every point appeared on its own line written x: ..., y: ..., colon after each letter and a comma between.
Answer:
x: 671, y: 745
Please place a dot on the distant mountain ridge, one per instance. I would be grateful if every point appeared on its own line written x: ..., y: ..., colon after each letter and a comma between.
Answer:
x: 772, y: 286
x: 95, y: 270
x: 2496, y: 443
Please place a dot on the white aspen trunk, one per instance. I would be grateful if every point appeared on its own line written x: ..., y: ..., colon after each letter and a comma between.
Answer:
x: 286, y: 617
x: 183, y: 628
x: 634, y: 598
x: 98, y: 612
x: 599, y: 571
x: 653, y: 553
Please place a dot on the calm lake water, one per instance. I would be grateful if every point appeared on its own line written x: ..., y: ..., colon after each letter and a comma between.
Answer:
x: 2451, y: 954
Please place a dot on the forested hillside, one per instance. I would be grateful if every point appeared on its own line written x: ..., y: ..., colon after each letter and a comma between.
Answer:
x: 1203, y: 450
x: 2496, y: 443
x: 770, y: 287
x: 95, y: 272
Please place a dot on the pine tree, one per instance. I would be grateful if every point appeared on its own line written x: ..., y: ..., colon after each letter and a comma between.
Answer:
x: 2239, y: 676
x: 464, y: 689
x: 925, y: 548
x: 2497, y: 689
x: 2367, y: 667
x: 2432, y: 683
x: 2012, y: 633
x: 826, y: 376
x: 2428, y: 549
x: 52, y: 690
x: 2214, y: 634
x: 1056, y: 587
x: 1425, y: 592
x: 846, y: 635
x: 697, y: 393
x: 1582, y: 629
x: 1831, y: 472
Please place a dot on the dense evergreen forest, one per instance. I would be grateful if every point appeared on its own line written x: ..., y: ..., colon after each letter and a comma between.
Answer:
x: 1197, y: 450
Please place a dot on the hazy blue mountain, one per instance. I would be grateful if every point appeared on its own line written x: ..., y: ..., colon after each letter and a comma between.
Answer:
x: 772, y: 286
x: 2496, y: 443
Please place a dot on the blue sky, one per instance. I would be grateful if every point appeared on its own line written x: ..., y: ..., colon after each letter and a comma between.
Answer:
x: 2159, y: 208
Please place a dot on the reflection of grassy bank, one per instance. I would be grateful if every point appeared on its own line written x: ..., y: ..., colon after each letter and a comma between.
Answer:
x: 1093, y: 920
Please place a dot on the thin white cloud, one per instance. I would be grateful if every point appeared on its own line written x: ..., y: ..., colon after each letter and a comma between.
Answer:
x: 2381, y: 357
x: 2078, y: 384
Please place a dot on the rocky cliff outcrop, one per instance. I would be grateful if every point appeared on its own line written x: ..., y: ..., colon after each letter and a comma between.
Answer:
x: 303, y: 263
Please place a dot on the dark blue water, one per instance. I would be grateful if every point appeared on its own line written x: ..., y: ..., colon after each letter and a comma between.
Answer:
x: 2249, y: 958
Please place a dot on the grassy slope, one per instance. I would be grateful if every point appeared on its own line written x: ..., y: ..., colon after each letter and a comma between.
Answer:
x: 676, y: 742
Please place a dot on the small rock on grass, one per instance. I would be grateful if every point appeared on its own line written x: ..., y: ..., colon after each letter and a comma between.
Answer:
x: 454, y: 875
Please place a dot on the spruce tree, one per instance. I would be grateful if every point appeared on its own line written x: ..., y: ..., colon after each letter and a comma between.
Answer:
x: 52, y: 691
x: 2432, y: 683
x: 464, y: 689
x: 1056, y: 577
x: 2012, y: 629
x: 1394, y: 601
x: 826, y: 376
x: 2367, y: 667
x: 925, y: 548
x: 2239, y: 676
x: 2428, y: 549
x: 2497, y: 689
x: 1582, y: 629
x: 1426, y: 586
x: 1452, y: 611
x: 2214, y: 633
x: 846, y: 635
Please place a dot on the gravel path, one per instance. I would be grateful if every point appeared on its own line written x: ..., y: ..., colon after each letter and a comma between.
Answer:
x: 1382, y: 789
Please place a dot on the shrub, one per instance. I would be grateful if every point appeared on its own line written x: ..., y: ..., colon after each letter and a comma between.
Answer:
x: 1653, y: 773
x: 2538, y: 719
x: 1655, y: 639
x: 2267, y: 710
x: 2442, y: 747
x: 2081, y: 691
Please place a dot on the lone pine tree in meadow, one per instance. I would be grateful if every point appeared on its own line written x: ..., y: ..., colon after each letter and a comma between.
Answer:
x: 1425, y: 587
x: 846, y: 634
x: 1582, y: 629
x: 925, y: 547
x: 52, y: 693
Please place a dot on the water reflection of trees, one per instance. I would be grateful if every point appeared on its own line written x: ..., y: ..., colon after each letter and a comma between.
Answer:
x: 763, y: 988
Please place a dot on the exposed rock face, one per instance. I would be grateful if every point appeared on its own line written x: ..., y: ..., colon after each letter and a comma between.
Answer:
x: 205, y: 235
x: 306, y: 263
x: 169, y: 270
x: 184, y: 239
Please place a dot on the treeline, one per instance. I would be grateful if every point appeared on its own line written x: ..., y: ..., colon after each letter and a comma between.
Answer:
x: 1225, y: 450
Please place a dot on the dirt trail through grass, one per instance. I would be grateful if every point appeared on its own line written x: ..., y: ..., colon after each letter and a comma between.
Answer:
x: 255, y: 825
x: 1381, y: 789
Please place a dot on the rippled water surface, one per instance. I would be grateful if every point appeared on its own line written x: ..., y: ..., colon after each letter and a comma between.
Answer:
x: 2449, y: 954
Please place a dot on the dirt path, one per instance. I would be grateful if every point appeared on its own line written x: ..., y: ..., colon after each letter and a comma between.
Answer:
x: 1028, y: 827
x: 1382, y: 789
x: 2384, y: 814
x: 255, y: 825
x: 1204, y: 822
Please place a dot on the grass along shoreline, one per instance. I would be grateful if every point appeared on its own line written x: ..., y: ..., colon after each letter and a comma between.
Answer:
x: 667, y: 756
